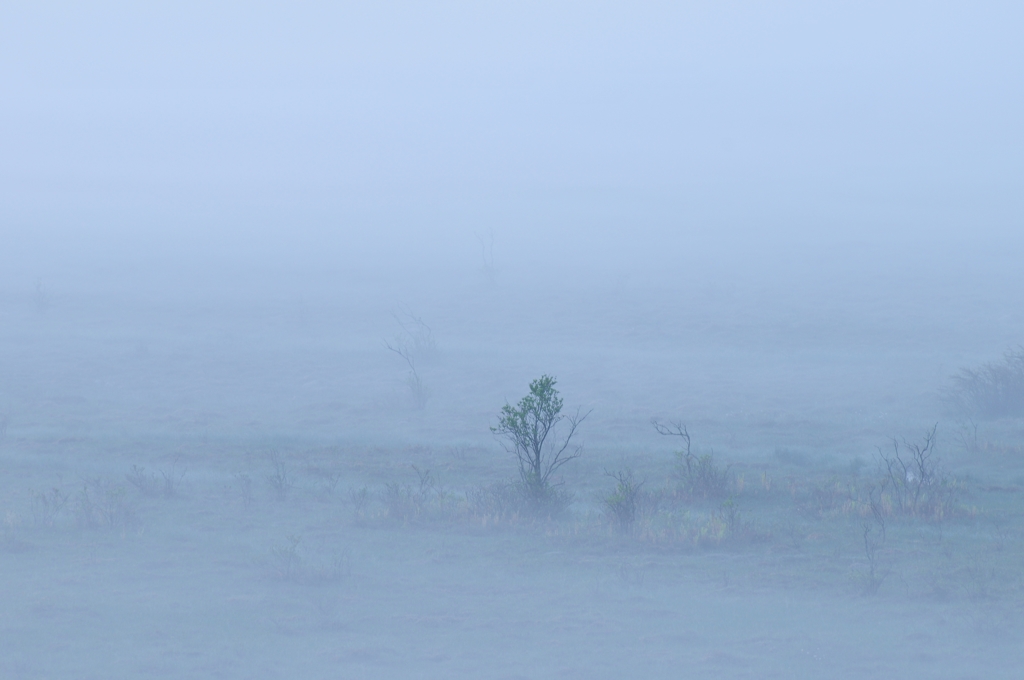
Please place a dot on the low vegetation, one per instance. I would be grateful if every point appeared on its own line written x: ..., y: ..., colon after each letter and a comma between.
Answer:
x: 877, y: 526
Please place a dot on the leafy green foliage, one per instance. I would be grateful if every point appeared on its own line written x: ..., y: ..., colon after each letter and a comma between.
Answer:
x: 527, y: 432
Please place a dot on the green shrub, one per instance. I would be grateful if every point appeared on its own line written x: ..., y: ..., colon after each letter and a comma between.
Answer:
x: 527, y: 431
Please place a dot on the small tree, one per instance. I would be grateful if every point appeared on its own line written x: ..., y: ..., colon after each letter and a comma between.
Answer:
x: 525, y: 430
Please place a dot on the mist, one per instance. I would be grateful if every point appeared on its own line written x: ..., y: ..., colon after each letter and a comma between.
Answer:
x: 269, y: 274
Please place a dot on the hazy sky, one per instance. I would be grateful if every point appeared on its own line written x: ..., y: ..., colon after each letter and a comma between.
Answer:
x: 613, y: 134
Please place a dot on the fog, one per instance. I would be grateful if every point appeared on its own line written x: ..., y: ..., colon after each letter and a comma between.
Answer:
x: 269, y: 274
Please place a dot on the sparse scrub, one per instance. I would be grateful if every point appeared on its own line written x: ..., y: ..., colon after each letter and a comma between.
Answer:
x: 101, y: 503
x: 458, y: 453
x: 279, y: 481
x: 427, y: 501
x: 967, y: 433
x: 632, y: 575
x: 167, y: 484
x: 913, y: 483
x: 624, y: 504
x: 416, y: 335
x: 729, y: 512
x: 284, y: 560
x: 512, y: 503
x: 294, y: 564
x: 328, y: 478
x: 527, y: 432
x: 49, y: 506
x: 420, y: 392
x: 690, y: 529
x: 878, y: 570
x: 699, y: 477
x: 327, y: 569
x: 702, y: 477
x: 402, y: 503
x: 993, y: 390
x: 414, y: 344
x: 980, y: 579
x: 831, y: 497
x: 497, y: 503
x: 147, y: 484
x: 360, y: 501
x: 244, y: 483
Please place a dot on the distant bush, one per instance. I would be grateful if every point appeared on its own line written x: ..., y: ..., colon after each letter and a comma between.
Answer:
x: 700, y: 477
x: 993, y: 390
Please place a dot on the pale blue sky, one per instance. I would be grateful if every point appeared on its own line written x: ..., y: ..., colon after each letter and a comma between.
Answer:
x: 376, y: 132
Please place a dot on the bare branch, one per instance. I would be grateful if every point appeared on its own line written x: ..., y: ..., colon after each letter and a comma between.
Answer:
x: 403, y: 352
x: 673, y: 429
x: 419, y: 392
x: 558, y: 459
